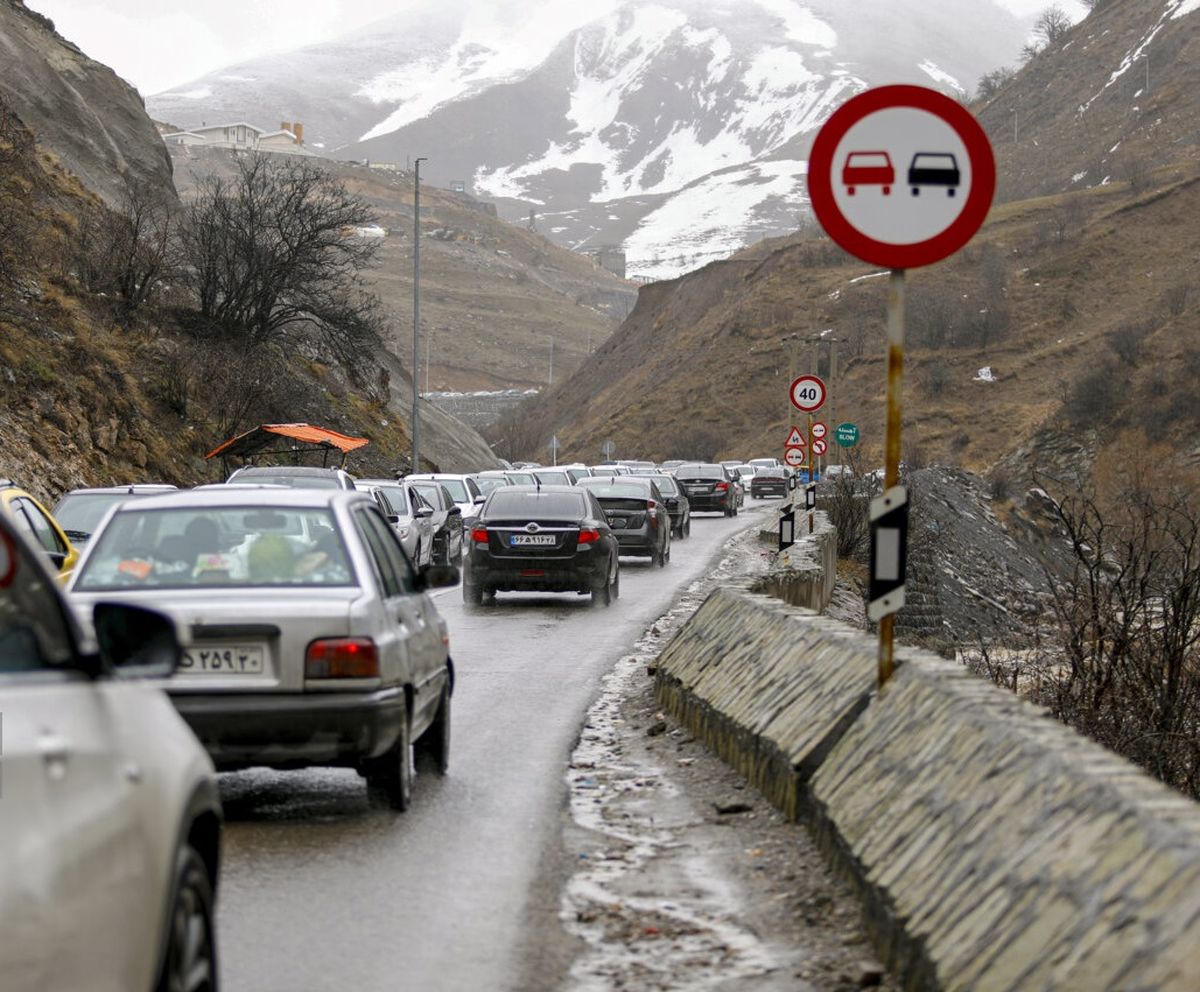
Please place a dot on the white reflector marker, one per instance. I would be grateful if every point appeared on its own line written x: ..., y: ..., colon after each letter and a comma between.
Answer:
x: 889, y: 547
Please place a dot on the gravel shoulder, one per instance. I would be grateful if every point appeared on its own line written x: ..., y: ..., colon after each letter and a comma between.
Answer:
x: 673, y: 873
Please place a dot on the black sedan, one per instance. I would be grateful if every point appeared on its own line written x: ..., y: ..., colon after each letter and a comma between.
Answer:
x: 637, y: 513
x: 769, y: 482
x: 542, y: 539
x: 708, y: 487
x: 677, y: 503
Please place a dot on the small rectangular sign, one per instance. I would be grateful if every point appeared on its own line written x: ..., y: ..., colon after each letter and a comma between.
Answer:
x: 889, y: 551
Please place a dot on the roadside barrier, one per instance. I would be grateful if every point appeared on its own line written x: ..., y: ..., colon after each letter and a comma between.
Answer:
x: 806, y: 573
x: 994, y: 848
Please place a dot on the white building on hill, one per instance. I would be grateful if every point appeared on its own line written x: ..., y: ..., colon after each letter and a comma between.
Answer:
x: 240, y: 136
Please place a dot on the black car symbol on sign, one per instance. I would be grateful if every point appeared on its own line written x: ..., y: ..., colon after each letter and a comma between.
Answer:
x: 868, y: 169
x: 934, y: 169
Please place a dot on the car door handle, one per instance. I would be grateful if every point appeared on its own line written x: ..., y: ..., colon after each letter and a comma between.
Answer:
x: 55, y: 751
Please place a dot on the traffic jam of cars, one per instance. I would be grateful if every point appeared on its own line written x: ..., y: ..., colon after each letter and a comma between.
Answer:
x: 281, y: 619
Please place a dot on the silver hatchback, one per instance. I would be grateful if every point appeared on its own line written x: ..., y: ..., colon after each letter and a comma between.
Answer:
x: 308, y: 637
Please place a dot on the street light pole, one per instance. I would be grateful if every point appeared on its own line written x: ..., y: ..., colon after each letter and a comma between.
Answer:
x: 416, y: 382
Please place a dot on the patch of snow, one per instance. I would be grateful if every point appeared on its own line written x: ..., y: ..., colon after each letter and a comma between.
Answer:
x: 800, y: 24
x: 200, y: 93
x: 939, y: 75
x: 1184, y: 7
x: 1078, y: 176
x: 870, y: 275
x: 1114, y: 148
x: 710, y: 219
x: 985, y: 374
x: 238, y: 79
x: 495, y: 45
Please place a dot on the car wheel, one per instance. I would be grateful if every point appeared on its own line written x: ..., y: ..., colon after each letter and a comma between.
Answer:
x: 687, y: 528
x: 190, y: 964
x: 614, y: 591
x: 472, y: 593
x: 389, y: 777
x: 432, y: 750
x: 602, y: 593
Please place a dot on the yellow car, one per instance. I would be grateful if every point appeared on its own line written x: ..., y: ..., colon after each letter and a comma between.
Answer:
x: 37, y: 524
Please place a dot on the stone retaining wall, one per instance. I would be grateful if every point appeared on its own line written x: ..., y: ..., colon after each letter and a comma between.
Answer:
x: 805, y: 574
x: 994, y: 848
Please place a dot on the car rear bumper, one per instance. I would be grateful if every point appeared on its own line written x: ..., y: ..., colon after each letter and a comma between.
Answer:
x: 708, y: 503
x: 293, y: 730
x: 535, y: 575
x: 638, y: 542
x: 761, y: 491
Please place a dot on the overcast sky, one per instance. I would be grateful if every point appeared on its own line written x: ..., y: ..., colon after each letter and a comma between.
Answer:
x: 158, y: 44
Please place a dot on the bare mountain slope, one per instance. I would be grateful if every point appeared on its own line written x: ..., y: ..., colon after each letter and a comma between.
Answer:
x: 79, y: 109
x: 1081, y: 307
x: 1081, y: 113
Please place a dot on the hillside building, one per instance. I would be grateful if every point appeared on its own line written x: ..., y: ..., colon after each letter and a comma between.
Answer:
x: 241, y: 136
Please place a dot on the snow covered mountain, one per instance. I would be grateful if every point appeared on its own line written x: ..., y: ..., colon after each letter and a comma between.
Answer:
x: 675, y: 128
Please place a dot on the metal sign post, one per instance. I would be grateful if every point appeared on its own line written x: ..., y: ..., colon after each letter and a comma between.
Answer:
x: 891, y: 462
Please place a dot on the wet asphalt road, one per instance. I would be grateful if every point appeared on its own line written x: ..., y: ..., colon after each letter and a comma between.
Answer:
x: 321, y: 892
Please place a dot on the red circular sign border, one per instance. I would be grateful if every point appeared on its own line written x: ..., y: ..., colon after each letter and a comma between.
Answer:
x: 974, y: 212
x: 805, y: 378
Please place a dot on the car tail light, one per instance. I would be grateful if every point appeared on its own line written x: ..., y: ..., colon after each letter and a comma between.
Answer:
x: 479, y: 535
x: 342, y: 658
x: 721, y: 487
x: 652, y: 511
x: 588, y: 536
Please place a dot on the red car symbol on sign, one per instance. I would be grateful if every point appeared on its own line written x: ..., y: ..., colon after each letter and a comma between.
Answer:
x: 794, y: 457
x: 819, y: 430
x: 868, y: 169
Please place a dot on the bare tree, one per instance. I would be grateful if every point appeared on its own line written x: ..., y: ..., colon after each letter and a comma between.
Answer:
x: 1127, y: 614
x: 990, y: 82
x: 126, y: 251
x: 1052, y: 24
x: 273, y: 253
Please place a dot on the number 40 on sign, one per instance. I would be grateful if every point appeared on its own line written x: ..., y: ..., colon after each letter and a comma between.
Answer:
x: 808, y: 394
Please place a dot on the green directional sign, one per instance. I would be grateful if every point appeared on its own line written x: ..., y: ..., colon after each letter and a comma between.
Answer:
x: 846, y: 435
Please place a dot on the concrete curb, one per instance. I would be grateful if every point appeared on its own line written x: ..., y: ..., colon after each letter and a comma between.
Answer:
x: 993, y: 847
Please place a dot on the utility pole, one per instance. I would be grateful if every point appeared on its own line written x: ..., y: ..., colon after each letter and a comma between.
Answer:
x: 416, y: 381
x: 1016, y: 117
x: 428, y: 348
x: 551, y: 360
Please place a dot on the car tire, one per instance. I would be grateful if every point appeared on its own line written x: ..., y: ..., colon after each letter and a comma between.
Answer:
x: 472, y: 593
x: 389, y: 777
x: 614, y: 591
x: 431, y: 753
x: 602, y: 594
x: 190, y: 960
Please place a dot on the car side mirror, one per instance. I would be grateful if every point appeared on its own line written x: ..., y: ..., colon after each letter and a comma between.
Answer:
x: 455, y: 511
x: 424, y: 512
x: 441, y: 576
x: 393, y: 519
x: 480, y: 499
x: 136, y: 642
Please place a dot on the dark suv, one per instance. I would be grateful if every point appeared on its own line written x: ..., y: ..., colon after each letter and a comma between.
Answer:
x: 548, y: 539
x: 637, y: 513
x: 708, y: 487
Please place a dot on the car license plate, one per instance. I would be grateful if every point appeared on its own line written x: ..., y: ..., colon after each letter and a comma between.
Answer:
x: 242, y: 659
x: 527, y: 540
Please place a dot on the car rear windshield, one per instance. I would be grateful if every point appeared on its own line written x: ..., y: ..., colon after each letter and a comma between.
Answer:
x: 458, y: 491
x: 608, y: 489
x: 527, y: 503
x: 294, y: 481
x: 699, y: 472
x: 487, y: 483
x: 217, y: 546
x: 771, y: 473
x: 80, y: 513
x: 666, y: 485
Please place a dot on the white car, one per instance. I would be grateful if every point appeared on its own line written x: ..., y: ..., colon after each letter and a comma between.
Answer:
x: 464, y: 490
x: 110, y: 817
x: 407, y: 511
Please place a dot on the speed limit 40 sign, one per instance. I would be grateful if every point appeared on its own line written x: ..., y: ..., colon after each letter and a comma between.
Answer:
x: 808, y: 393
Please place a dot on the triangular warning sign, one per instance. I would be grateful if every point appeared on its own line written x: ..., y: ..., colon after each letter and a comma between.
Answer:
x: 795, y: 439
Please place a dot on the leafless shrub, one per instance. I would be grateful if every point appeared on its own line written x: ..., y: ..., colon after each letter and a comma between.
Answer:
x: 1127, y: 341
x: 990, y: 82
x: 272, y: 252
x: 1126, y: 669
x: 846, y: 499
x: 1052, y: 25
x: 1090, y: 399
x: 1175, y: 300
x: 125, y: 252
x: 937, y: 377
x: 1136, y: 170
